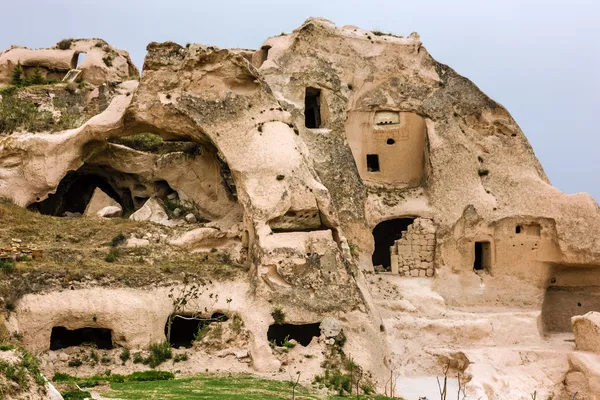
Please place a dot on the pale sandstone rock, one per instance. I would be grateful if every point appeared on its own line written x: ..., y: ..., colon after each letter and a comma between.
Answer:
x: 110, y: 212
x: 587, y: 331
x: 99, y: 201
x: 330, y: 327
x: 152, y: 211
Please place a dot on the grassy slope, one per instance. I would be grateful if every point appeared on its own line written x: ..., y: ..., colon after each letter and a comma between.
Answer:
x: 75, y: 251
x: 216, y: 387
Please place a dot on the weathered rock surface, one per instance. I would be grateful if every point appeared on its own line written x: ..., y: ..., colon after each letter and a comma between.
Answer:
x: 291, y: 159
x: 587, y: 332
x: 99, y: 202
x: 153, y: 210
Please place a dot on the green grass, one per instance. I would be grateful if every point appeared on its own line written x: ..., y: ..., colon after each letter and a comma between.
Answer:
x: 225, y: 387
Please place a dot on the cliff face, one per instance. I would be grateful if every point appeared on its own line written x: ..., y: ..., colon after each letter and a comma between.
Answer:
x: 326, y: 156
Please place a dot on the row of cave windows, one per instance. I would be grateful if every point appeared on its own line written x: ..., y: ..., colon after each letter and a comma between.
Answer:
x: 183, y: 332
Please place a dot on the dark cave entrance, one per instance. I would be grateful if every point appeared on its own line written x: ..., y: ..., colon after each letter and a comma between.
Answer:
x: 312, y: 108
x: 62, y: 337
x: 184, y: 328
x: 483, y: 256
x: 303, y: 333
x: 385, y: 234
x: 75, y: 191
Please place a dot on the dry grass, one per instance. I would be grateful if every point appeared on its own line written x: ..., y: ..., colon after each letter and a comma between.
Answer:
x: 76, y: 252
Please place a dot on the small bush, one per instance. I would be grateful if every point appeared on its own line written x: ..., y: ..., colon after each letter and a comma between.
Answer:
x: 287, y: 344
x: 483, y: 171
x: 76, y: 395
x: 202, y: 331
x: 125, y: 355
x: 6, y: 347
x: 159, y: 353
x: 105, y: 359
x: 65, y: 44
x: 146, y: 376
x: 98, y: 44
x: 137, y: 358
x: 7, y: 266
x: 62, y: 377
x: 94, y: 356
x: 278, y: 315
x: 237, y: 323
x: 180, y: 357
x: 118, y: 239
x: 17, y: 75
x: 75, y: 363
x: 112, y: 256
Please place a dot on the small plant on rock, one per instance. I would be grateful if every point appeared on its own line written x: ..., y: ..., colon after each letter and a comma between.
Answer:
x: 65, y: 44
x: 278, y: 315
x: 17, y: 75
x: 125, y: 355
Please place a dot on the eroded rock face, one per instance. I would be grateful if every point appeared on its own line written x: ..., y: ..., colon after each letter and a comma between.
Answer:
x: 98, y: 61
x: 587, y: 332
x: 327, y: 151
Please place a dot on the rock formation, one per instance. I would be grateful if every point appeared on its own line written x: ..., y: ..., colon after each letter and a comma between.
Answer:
x: 348, y: 178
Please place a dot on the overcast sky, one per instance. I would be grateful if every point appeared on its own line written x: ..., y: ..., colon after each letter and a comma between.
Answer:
x: 539, y: 58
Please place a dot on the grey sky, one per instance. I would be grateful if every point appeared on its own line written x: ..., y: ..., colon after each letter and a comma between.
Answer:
x: 539, y: 58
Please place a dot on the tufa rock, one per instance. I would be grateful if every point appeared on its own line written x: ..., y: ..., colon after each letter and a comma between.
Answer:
x: 152, y: 211
x: 587, y: 331
x: 330, y: 327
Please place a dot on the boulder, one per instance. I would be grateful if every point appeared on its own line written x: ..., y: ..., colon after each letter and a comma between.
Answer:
x: 110, y: 212
x: 98, y: 202
x: 152, y: 211
x: 587, y: 331
x: 190, y: 218
x: 330, y: 327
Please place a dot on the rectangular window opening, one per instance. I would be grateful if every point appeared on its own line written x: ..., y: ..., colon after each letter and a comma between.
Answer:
x: 483, y: 256
x: 373, y: 162
x: 312, y: 108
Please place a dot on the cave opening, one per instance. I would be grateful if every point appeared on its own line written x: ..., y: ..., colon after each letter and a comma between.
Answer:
x: 303, y: 333
x: 185, y: 328
x: 76, y: 189
x: 312, y: 108
x: 62, y: 337
x: 385, y: 234
x: 373, y: 162
x: 483, y: 256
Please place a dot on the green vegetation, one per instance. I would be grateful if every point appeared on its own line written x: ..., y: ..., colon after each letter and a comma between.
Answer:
x: 7, y: 266
x: 17, y: 75
x: 65, y: 44
x: 148, y: 142
x: 76, y: 395
x: 125, y: 355
x: 483, y: 171
x: 112, y: 256
x: 118, y: 239
x: 91, y: 381
x: 278, y: 315
x: 159, y: 353
x: 25, y: 373
x: 180, y: 357
x: 217, y: 387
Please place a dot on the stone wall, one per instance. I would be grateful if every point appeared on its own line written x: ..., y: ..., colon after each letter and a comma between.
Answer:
x: 413, y: 254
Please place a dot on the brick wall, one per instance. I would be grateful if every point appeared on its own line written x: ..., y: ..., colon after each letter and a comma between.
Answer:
x: 413, y: 254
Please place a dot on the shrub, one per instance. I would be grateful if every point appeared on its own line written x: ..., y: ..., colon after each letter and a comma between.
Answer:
x: 94, y: 356
x: 112, y: 255
x: 6, y: 347
x: 76, y: 395
x: 137, y: 358
x: 37, y: 78
x: 16, y: 113
x: 71, y: 87
x: 201, y: 333
x: 287, y: 344
x: 7, y: 266
x: 65, y: 44
x: 237, y: 323
x: 180, y: 357
x: 483, y: 171
x: 278, y: 315
x: 16, y: 78
x: 146, y: 376
x: 118, y: 239
x: 125, y: 355
x: 105, y: 359
x: 75, y: 363
x: 159, y: 353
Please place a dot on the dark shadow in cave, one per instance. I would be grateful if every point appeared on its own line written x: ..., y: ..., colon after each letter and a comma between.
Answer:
x: 303, y: 333
x: 75, y: 191
x: 62, y: 337
x: 385, y: 234
x: 185, y: 328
